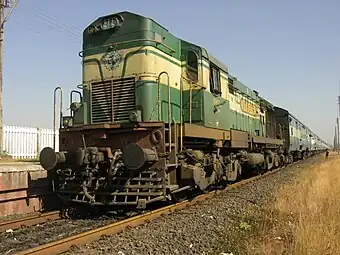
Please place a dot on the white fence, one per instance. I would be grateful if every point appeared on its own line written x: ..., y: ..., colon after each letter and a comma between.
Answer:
x: 27, y: 142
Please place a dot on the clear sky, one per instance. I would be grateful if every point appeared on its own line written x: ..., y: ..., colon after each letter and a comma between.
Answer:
x: 289, y: 50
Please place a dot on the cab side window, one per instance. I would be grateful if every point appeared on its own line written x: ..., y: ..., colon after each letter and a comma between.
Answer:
x: 215, y: 81
x: 192, y: 66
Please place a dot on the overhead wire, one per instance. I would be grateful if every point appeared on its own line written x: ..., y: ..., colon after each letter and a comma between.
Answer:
x: 68, y: 26
x: 10, y: 11
x: 48, y: 20
x: 54, y: 22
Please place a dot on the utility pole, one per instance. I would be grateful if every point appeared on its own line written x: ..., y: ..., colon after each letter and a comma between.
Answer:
x: 334, y: 140
x: 3, y: 4
x: 338, y: 127
x: 2, y: 16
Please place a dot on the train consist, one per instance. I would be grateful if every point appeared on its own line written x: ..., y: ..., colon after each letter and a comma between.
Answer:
x: 158, y: 116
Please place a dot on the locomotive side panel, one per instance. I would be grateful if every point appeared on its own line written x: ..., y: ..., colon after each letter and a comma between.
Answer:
x: 214, y: 98
x: 245, y: 108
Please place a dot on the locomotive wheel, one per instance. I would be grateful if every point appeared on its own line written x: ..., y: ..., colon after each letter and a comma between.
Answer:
x: 269, y: 162
x: 234, y: 170
x: 290, y: 158
x: 283, y: 160
x: 276, y: 161
x: 64, y: 211
x: 202, y: 179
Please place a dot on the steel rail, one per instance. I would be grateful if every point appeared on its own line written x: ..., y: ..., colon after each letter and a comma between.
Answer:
x: 29, y: 220
x: 65, y: 244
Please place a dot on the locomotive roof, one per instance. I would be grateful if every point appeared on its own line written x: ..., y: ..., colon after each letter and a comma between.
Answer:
x: 242, y: 88
x: 215, y: 61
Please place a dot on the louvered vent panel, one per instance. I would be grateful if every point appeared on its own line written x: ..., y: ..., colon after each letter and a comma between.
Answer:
x: 112, y: 101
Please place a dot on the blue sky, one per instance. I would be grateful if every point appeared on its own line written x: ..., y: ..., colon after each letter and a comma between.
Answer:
x: 289, y: 51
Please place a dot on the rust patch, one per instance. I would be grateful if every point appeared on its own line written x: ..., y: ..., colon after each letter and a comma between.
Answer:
x: 192, y: 130
x: 115, y: 138
x: 113, y: 126
x: 267, y: 140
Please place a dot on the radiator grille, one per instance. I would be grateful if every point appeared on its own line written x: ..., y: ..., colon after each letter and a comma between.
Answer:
x: 113, y: 100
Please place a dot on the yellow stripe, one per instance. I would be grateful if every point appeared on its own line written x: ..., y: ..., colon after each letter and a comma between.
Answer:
x: 145, y: 65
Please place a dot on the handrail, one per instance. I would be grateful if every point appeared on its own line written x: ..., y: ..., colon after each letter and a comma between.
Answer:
x: 169, y: 103
x: 71, y: 98
x: 54, y: 112
x: 80, y: 54
x: 181, y: 115
x: 191, y: 85
x: 190, y: 102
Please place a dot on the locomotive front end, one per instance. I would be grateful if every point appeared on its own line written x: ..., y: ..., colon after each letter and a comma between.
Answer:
x: 109, y: 166
x: 112, y: 149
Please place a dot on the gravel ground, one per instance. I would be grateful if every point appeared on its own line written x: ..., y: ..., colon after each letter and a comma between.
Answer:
x: 16, y: 216
x: 26, y: 238
x: 200, y: 229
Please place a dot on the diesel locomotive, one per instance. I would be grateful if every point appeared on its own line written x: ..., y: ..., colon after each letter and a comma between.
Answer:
x: 158, y: 116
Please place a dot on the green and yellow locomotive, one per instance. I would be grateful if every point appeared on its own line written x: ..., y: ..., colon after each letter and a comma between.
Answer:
x: 157, y: 116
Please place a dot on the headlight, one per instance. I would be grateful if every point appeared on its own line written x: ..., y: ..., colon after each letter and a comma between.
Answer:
x: 135, y: 116
x: 67, y: 121
x: 110, y: 23
x: 75, y: 106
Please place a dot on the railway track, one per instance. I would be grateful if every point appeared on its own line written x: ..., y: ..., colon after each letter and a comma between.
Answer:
x: 65, y: 244
x: 29, y: 221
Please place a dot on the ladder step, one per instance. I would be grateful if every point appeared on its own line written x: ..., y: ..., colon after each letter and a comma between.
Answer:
x: 172, y: 144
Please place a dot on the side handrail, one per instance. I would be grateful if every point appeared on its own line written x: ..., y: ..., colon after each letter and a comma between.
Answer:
x: 55, y: 114
x: 169, y: 103
x: 71, y: 98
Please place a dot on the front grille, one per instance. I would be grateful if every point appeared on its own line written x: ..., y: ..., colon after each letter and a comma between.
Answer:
x: 113, y: 100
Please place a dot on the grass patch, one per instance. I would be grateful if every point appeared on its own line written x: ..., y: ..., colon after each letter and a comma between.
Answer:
x: 304, y: 217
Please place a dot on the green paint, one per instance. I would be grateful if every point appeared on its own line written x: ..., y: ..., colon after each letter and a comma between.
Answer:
x: 134, y: 28
x: 148, y: 51
x: 197, y: 106
x: 217, y: 114
x: 81, y: 116
x: 147, y: 101
x: 206, y: 109
x: 245, y: 91
x: 202, y: 108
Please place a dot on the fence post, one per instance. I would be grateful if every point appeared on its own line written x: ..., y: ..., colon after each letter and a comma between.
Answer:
x: 19, y: 142
x: 38, y: 142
